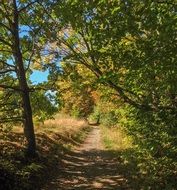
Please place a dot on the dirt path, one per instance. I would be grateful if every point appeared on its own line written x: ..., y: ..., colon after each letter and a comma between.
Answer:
x: 89, y: 167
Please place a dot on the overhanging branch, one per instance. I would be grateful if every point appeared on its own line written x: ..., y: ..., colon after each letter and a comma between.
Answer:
x: 7, y: 71
x: 6, y: 27
x: 5, y: 42
x: 10, y: 87
x: 7, y: 64
x: 11, y: 119
x: 28, y: 5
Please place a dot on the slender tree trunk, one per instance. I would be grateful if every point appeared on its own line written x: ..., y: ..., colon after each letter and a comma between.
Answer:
x: 28, y: 121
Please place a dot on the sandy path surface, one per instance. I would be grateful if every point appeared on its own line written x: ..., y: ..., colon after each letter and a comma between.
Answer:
x: 89, y: 167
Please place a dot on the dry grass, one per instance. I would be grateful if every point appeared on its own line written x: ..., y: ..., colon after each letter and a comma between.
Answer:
x: 62, y: 124
x: 54, y: 138
x: 115, y: 138
x: 63, y: 129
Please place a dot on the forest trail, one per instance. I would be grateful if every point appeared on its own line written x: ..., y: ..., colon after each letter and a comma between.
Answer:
x: 89, y: 167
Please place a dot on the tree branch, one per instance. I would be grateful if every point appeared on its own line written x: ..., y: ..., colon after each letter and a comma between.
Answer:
x: 4, y: 50
x: 12, y: 119
x: 5, y: 42
x: 99, y: 73
x: 28, y: 5
x: 10, y: 87
x: 165, y: 2
x: 6, y: 15
x: 6, y: 27
x: 6, y: 71
x: 7, y: 64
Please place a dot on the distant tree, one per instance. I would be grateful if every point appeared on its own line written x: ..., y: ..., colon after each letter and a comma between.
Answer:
x: 75, y: 88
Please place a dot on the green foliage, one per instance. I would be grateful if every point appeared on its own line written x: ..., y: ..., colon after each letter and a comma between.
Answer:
x: 132, y: 50
x: 154, y: 134
x: 44, y: 107
x: 95, y: 115
x: 5, y: 128
x: 105, y: 111
x: 109, y: 119
x: 75, y: 112
x: 16, y: 176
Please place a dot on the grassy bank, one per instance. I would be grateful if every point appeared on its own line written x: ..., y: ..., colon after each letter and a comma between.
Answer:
x: 138, y: 166
x: 54, y: 138
x: 115, y: 139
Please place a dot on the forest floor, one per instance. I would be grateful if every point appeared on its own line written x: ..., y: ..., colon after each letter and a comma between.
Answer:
x: 90, y: 167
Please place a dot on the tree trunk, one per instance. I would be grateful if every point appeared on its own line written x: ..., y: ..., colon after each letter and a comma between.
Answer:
x: 28, y: 120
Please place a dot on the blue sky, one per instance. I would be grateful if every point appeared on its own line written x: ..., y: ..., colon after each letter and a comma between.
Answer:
x: 39, y: 76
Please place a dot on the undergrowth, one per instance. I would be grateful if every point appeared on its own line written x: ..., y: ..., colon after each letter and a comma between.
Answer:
x: 142, y: 170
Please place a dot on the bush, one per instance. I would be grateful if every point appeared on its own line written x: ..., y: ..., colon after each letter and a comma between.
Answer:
x: 154, y: 134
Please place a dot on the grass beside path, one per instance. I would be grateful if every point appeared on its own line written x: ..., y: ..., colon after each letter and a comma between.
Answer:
x: 120, y: 146
x: 115, y: 139
x: 54, y: 138
x: 142, y: 171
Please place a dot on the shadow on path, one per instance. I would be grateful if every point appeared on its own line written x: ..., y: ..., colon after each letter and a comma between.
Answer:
x: 91, y: 167
x: 90, y: 170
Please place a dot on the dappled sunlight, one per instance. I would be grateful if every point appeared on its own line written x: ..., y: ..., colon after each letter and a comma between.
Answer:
x: 90, y: 167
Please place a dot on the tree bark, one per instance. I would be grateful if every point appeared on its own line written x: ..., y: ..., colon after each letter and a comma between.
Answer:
x: 25, y: 93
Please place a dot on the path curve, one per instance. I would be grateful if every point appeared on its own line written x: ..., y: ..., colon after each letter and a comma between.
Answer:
x: 89, y: 167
